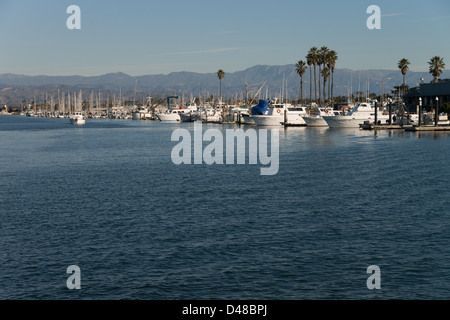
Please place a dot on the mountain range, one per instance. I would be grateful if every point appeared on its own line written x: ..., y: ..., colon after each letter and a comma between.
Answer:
x: 278, y: 80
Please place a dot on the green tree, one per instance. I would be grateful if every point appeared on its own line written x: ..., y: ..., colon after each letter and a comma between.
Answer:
x: 300, y: 68
x: 403, y: 66
x: 437, y: 66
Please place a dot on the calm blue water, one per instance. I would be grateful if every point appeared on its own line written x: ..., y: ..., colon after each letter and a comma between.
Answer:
x: 107, y: 197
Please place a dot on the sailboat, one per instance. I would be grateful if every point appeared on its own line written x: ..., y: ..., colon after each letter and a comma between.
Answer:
x: 77, y: 117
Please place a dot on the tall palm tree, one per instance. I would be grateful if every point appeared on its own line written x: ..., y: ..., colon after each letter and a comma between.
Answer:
x: 403, y: 66
x: 325, y: 75
x: 437, y: 65
x: 220, y: 75
x: 300, y: 68
x: 323, y: 52
x: 332, y: 58
x: 314, y: 55
x: 309, y: 61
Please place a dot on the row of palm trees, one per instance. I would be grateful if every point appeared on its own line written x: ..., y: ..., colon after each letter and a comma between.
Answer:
x: 325, y: 59
x: 436, y: 67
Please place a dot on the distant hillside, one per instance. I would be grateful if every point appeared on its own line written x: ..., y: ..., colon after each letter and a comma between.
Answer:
x: 17, y: 88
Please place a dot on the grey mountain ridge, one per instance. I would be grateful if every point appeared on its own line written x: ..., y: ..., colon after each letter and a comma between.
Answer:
x: 204, y: 84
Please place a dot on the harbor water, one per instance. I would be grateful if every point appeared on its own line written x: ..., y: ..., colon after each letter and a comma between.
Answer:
x: 107, y: 198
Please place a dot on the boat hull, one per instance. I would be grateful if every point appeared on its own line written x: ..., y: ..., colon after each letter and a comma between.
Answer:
x: 247, y: 119
x: 136, y: 116
x: 213, y: 118
x: 265, y: 120
x: 170, y: 117
x: 77, y: 121
x: 349, y: 121
x: 315, y: 121
x: 295, y: 120
x: 189, y: 117
x: 141, y: 115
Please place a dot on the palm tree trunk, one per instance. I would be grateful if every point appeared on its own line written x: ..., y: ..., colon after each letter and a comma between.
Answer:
x: 332, y: 85
x: 315, y: 84
x: 310, y: 84
x: 324, y: 86
x: 301, y: 90
x: 329, y: 89
x: 320, y: 91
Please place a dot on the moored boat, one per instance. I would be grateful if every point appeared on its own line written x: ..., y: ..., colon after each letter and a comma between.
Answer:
x: 316, y: 119
x: 77, y: 118
x: 277, y: 113
x: 362, y: 112
x: 141, y: 113
x: 173, y: 115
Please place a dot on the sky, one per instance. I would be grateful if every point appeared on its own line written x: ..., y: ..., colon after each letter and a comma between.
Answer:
x: 159, y: 37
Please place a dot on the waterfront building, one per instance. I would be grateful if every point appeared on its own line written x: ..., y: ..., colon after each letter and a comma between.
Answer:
x: 428, y: 92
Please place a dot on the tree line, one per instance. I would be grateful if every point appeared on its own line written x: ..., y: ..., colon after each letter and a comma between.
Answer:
x: 325, y: 60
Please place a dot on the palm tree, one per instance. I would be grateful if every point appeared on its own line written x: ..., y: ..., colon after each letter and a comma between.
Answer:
x: 326, y: 75
x: 332, y: 58
x: 300, y: 68
x: 309, y: 61
x: 437, y: 65
x: 323, y: 52
x: 403, y: 66
x: 314, y: 55
x: 220, y: 75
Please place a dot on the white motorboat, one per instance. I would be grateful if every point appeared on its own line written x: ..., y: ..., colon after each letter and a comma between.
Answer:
x: 362, y: 112
x: 174, y: 114
x: 190, y: 114
x: 77, y: 118
x: 276, y: 116
x: 212, y: 116
x: 171, y: 115
x: 246, y: 118
x: 295, y: 116
x: 142, y: 113
x: 316, y: 119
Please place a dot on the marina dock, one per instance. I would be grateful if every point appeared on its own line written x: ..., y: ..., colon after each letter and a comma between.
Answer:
x: 428, y: 128
x: 406, y: 127
x: 371, y: 126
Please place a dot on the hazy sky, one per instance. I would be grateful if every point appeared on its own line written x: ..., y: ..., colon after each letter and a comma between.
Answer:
x: 149, y: 37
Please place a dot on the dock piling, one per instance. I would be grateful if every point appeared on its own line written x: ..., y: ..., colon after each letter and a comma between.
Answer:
x: 436, y: 113
x: 420, y: 112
